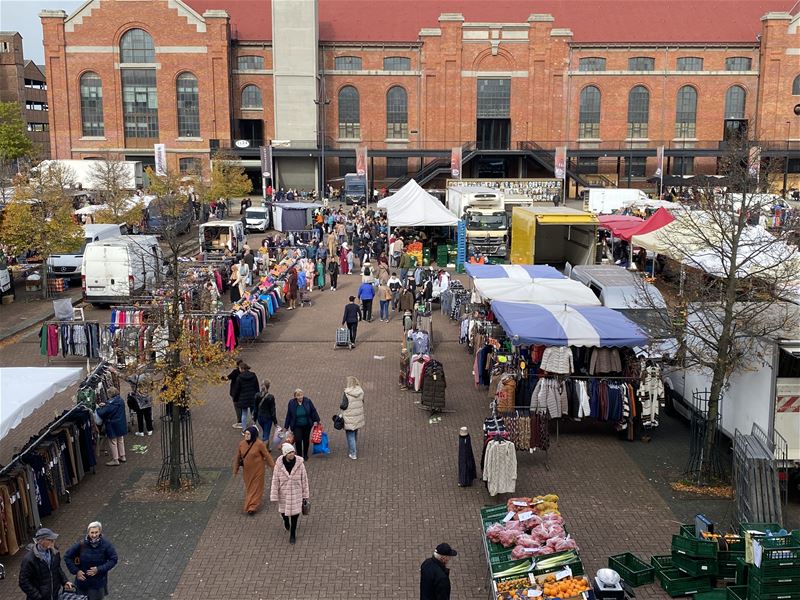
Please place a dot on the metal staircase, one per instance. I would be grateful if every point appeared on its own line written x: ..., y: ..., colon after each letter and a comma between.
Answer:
x: 546, y: 158
x: 435, y: 168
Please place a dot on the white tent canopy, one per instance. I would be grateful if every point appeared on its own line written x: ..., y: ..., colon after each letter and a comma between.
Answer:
x: 537, y: 291
x: 24, y: 389
x: 414, y: 207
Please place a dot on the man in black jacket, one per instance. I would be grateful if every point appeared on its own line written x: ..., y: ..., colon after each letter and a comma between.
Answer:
x: 40, y: 574
x: 434, y: 576
x: 232, y: 377
x: 352, y: 315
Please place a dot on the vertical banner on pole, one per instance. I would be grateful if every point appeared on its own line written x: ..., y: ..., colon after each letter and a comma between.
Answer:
x: 455, y: 162
x: 161, y: 158
x: 660, y: 168
x: 266, y: 167
x: 361, y: 168
x: 754, y: 164
x: 560, y: 168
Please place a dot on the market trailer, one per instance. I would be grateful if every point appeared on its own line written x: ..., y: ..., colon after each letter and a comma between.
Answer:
x: 553, y: 235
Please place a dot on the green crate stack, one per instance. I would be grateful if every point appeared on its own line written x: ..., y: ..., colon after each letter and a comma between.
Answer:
x: 660, y: 564
x: 441, y: 254
x: 633, y: 570
x: 715, y: 594
x: 694, y: 547
x: 726, y: 563
x: 736, y: 592
x: 778, y: 576
x: 677, y: 583
x: 695, y: 567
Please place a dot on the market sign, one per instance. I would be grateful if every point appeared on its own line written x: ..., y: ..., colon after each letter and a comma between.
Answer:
x: 527, y: 190
x: 242, y: 143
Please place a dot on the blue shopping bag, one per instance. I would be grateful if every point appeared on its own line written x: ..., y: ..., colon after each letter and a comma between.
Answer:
x: 322, y: 447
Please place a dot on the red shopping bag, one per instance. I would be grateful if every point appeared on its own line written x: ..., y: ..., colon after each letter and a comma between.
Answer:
x: 316, y: 434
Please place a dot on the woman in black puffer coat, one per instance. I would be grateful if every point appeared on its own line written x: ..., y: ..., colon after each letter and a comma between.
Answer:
x: 245, y: 390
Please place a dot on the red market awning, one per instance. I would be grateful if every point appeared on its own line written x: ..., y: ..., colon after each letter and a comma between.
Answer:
x: 659, y: 219
x: 618, y: 224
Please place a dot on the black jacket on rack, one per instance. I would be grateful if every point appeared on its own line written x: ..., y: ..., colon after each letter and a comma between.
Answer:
x: 434, y: 385
x: 466, y: 461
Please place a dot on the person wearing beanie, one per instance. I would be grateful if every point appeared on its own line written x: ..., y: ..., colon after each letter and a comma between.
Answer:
x: 90, y: 560
x: 251, y: 456
x: 40, y: 574
x: 112, y: 412
x: 290, y: 488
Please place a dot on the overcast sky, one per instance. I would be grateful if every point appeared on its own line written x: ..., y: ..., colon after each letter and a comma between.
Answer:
x: 23, y: 16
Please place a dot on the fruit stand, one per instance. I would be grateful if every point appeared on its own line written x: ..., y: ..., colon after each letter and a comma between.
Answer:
x: 529, y: 552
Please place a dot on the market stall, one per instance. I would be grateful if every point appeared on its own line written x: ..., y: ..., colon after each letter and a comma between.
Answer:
x: 523, y: 272
x: 618, y: 224
x: 417, y: 208
x: 293, y: 216
x: 536, y: 291
x: 529, y: 551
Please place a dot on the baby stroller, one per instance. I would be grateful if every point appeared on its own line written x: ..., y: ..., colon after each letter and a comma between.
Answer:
x: 305, y: 298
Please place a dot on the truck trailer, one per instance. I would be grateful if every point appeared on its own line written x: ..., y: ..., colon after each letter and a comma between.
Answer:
x: 553, y: 235
x: 85, y: 172
x: 604, y: 201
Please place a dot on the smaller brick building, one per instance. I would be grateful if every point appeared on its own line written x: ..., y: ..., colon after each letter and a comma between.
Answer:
x: 24, y: 82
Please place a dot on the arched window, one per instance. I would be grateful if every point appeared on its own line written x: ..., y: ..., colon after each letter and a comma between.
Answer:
x: 251, y: 97
x: 349, y: 113
x: 734, y: 102
x: 397, y: 113
x: 638, y: 112
x: 92, y: 105
x: 188, y: 95
x: 796, y: 86
x: 686, y: 112
x: 589, y: 119
x: 136, y: 46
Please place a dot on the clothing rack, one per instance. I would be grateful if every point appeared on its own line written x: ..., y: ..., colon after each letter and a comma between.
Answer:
x: 73, y: 357
x: 96, y: 373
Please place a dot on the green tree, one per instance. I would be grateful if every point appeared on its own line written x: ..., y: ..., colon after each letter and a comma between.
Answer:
x: 14, y: 140
x: 40, y: 217
x: 228, y: 180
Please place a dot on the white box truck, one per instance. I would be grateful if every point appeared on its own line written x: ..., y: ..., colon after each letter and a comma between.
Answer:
x: 603, y: 201
x: 116, y: 269
x: 485, y: 213
x: 766, y: 393
x: 217, y: 236
x: 84, y: 171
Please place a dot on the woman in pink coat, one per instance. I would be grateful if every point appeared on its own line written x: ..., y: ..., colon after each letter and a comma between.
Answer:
x: 289, y: 488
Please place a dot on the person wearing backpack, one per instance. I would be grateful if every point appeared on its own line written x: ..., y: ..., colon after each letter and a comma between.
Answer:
x: 266, y: 415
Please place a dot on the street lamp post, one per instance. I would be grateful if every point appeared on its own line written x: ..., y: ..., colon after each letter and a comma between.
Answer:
x: 786, y: 161
x: 322, y: 101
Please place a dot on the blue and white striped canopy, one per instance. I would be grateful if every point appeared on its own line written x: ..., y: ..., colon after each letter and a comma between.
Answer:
x: 553, y: 325
x: 524, y: 272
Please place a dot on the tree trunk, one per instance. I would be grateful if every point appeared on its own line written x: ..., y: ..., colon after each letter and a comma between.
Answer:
x: 175, y: 447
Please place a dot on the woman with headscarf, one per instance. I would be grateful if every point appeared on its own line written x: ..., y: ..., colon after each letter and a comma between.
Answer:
x: 352, y: 408
x: 250, y: 457
x: 320, y: 274
x: 289, y: 488
x: 343, y: 259
x: 90, y: 560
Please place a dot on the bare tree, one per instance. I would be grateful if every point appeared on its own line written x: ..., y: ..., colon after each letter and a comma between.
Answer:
x: 112, y: 178
x: 734, y: 278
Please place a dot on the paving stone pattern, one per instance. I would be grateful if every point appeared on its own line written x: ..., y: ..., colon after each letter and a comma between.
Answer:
x: 373, y: 520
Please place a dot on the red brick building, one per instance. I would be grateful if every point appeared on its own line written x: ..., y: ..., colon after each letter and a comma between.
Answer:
x: 508, y: 81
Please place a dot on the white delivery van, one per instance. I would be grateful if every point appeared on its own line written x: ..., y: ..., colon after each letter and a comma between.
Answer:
x: 69, y: 265
x: 216, y: 236
x: 257, y: 218
x: 116, y: 269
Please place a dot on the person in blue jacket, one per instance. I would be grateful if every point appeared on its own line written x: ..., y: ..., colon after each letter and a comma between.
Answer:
x: 366, y: 293
x: 90, y: 560
x: 301, y: 415
x: 113, y: 414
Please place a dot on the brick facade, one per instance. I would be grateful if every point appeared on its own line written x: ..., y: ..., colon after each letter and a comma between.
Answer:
x: 538, y: 55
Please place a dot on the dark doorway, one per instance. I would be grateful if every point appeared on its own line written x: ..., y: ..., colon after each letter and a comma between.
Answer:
x: 251, y: 130
x: 491, y: 168
x: 494, y: 134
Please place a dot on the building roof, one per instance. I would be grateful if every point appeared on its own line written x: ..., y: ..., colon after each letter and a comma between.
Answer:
x: 591, y: 21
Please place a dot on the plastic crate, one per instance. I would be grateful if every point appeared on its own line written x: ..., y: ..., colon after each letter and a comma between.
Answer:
x: 695, y: 567
x: 632, y: 569
x: 744, y: 526
x: 693, y: 547
x: 501, y: 566
x: 753, y: 594
x: 501, y: 556
x: 783, y: 549
x: 726, y: 564
x: 736, y: 592
x: 773, y: 584
x: 576, y: 566
x: 662, y: 562
x: 676, y: 583
x: 714, y: 594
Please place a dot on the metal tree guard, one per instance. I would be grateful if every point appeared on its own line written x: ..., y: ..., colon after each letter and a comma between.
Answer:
x: 701, y: 429
x: 187, y: 473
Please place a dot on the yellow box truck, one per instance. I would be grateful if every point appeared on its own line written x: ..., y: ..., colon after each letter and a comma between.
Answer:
x: 553, y: 235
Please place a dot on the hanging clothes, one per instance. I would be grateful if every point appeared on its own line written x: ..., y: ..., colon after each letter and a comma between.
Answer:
x: 605, y: 360
x: 466, y: 461
x: 557, y: 359
x: 651, y: 393
x: 500, y: 467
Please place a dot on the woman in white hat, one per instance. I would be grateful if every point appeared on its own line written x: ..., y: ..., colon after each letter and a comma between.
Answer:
x: 290, y: 488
